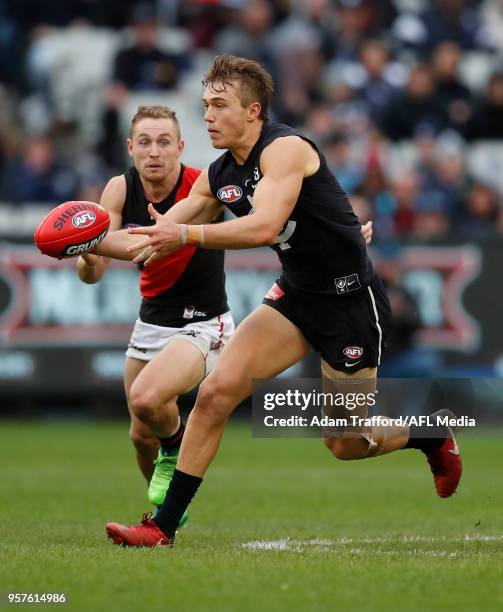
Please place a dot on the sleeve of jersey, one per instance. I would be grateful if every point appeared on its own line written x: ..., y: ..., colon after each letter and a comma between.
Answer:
x: 163, y: 275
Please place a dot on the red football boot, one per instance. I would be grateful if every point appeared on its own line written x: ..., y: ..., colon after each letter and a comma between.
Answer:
x: 445, y: 463
x: 145, y: 535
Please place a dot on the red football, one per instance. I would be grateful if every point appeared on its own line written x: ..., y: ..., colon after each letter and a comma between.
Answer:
x: 72, y: 228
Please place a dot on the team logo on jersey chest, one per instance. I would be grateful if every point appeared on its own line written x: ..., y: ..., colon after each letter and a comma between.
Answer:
x: 229, y: 193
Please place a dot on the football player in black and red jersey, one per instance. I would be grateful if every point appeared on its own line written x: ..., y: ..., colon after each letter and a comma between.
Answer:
x: 327, y: 298
x: 184, y: 321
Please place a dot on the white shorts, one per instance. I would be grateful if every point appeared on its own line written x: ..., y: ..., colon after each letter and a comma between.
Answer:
x: 209, y: 337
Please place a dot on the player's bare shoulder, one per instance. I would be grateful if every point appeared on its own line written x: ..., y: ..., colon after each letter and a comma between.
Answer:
x: 113, y: 199
x: 290, y: 153
x: 114, y: 194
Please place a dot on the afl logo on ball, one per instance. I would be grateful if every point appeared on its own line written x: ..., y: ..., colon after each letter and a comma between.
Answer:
x: 353, y: 352
x: 229, y: 193
x: 83, y: 219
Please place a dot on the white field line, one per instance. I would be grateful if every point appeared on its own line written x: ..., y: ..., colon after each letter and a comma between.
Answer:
x: 290, y: 545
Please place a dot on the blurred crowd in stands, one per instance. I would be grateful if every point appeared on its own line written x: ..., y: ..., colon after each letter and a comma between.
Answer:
x: 405, y: 97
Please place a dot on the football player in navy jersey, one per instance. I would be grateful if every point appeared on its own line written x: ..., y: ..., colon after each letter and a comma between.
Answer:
x: 184, y: 320
x: 328, y: 297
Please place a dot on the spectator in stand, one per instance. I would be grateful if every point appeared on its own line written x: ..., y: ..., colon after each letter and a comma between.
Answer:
x: 483, y: 209
x: 375, y: 189
x: 454, y: 98
x: 308, y: 23
x: 319, y: 122
x: 251, y: 35
x: 8, y: 138
x: 405, y: 189
x: 11, y: 50
x: 447, y: 188
x: 300, y: 69
x: 38, y: 176
x: 203, y: 19
x: 300, y: 49
x: 492, y: 19
x: 487, y: 121
x: 350, y: 113
x: 28, y: 14
x: 379, y: 16
x: 456, y: 20
x: 425, y: 145
x: 362, y: 208
x: 353, y: 27
x: 143, y: 66
x: 430, y: 223
x: 415, y: 105
x: 349, y: 172
x: 380, y: 78
x: 443, y: 20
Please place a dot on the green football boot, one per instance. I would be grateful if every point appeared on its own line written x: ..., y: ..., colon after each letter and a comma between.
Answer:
x: 165, y: 465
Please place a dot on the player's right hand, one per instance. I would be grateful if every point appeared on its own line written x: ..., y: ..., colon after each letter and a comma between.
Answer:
x: 162, y: 239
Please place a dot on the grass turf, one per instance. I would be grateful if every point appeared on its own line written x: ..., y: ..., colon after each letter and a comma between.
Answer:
x: 277, y: 525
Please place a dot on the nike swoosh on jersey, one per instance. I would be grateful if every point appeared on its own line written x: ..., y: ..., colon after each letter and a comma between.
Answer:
x: 350, y: 365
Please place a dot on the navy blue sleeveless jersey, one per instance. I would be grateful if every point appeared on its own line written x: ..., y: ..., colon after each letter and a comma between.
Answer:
x: 187, y: 285
x: 321, y: 248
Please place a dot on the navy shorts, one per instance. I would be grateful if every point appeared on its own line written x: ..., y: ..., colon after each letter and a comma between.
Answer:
x: 349, y: 331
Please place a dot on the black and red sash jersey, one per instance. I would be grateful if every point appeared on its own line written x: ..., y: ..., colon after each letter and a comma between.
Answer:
x: 187, y: 285
x: 321, y: 248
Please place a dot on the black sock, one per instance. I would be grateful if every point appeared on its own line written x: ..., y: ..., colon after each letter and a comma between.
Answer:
x: 172, y: 443
x: 420, y: 437
x: 182, y: 489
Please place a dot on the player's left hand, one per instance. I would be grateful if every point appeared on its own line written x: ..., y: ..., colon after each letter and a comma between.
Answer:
x: 163, y: 238
x: 367, y: 232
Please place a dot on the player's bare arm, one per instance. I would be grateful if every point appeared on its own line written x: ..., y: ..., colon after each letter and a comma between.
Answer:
x: 199, y: 207
x: 92, y: 267
x: 284, y: 164
x: 116, y: 243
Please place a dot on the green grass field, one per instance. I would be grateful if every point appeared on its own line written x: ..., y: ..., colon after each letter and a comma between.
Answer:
x: 277, y: 525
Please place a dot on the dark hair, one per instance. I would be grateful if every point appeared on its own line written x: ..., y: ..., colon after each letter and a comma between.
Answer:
x: 155, y: 112
x: 255, y: 83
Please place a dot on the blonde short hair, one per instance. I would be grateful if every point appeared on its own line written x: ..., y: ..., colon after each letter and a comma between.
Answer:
x: 155, y: 112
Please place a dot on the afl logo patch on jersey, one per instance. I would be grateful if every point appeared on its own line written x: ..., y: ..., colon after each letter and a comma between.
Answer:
x: 229, y: 193
x: 83, y: 219
x: 353, y: 352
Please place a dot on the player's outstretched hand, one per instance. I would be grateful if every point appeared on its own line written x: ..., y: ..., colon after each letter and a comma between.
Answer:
x: 162, y: 239
x: 367, y: 232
